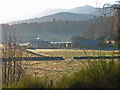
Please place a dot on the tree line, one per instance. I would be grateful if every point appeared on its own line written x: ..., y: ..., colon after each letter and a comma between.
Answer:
x: 96, y: 28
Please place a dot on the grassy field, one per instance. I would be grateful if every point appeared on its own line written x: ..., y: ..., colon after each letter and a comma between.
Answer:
x: 57, y: 70
x: 68, y: 54
x: 54, y: 70
x: 18, y: 52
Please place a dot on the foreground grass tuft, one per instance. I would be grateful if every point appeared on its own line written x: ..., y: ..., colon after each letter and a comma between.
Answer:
x: 29, y: 82
x: 95, y: 74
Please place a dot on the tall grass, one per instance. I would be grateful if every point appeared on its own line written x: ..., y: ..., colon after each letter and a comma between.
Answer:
x: 95, y: 74
x: 29, y: 82
x: 98, y: 73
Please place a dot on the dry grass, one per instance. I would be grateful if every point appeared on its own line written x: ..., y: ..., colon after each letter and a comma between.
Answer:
x: 68, y: 54
x: 18, y: 52
x: 52, y: 70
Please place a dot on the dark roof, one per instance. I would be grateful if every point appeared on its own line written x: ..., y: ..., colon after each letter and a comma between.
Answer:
x: 39, y: 42
x: 89, y: 42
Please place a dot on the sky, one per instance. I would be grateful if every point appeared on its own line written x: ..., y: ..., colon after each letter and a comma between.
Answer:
x: 12, y: 10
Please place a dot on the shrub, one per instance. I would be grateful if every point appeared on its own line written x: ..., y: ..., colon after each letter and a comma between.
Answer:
x: 29, y: 82
x: 94, y: 74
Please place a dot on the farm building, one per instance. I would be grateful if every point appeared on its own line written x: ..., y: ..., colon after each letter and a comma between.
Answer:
x: 90, y: 43
x: 61, y: 44
x: 40, y: 44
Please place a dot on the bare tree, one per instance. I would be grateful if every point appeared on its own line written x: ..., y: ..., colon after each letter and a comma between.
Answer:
x: 114, y: 11
x: 0, y: 56
x: 11, y: 52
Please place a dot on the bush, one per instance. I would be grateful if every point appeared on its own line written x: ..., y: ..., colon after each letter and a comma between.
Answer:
x: 94, y: 74
x: 29, y: 82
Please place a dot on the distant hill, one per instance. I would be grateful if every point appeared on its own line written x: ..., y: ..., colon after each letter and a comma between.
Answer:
x: 86, y: 10
x: 56, y: 30
x: 63, y: 16
x: 50, y: 12
x: 79, y: 13
x: 58, y: 16
x: 64, y: 30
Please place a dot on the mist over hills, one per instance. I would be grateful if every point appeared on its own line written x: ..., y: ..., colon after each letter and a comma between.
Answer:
x: 63, y: 16
x: 78, y: 10
x: 78, y: 13
x: 50, y: 12
x: 63, y: 24
x: 86, y: 10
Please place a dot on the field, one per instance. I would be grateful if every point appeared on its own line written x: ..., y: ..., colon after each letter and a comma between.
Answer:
x: 19, y: 53
x: 69, y: 70
x: 68, y: 54
x: 54, y: 70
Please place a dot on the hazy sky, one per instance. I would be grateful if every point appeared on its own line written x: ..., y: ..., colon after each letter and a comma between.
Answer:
x: 11, y: 10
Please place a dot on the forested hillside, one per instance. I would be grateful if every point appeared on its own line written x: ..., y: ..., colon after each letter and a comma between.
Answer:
x: 58, y: 16
x: 58, y: 30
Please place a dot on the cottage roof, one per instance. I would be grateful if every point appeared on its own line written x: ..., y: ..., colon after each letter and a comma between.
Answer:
x: 40, y: 42
x: 89, y: 42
